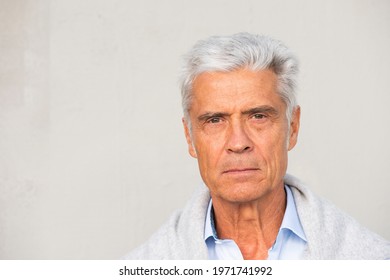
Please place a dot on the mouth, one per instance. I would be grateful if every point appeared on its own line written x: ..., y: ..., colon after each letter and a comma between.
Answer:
x: 240, y: 170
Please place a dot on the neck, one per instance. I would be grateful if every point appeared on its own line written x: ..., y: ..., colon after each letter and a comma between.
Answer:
x: 252, y: 225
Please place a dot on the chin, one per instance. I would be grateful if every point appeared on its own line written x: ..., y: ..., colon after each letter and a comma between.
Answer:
x: 243, y: 193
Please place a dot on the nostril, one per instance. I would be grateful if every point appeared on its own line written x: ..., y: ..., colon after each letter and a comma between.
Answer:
x: 239, y: 149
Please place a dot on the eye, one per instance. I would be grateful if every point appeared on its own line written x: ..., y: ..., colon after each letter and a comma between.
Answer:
x: 214, y: 120
x: 259, y: 116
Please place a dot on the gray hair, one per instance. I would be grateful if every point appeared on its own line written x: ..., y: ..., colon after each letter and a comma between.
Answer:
x: 241, y: 50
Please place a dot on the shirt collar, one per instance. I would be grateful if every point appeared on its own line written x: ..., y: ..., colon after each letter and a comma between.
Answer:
x: 290, y: 220
x: 209, y: 229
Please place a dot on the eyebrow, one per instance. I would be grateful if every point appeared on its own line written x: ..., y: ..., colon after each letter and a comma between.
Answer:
x: 261, y: 109
x: 265, y: 109
x: 209, y: 115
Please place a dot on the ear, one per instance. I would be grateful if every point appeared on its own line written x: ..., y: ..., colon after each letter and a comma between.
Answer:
x: 191, y: 148
x: 294, y: 127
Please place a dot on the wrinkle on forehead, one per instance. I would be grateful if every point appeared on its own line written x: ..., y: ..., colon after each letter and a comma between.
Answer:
x: 213, y: 91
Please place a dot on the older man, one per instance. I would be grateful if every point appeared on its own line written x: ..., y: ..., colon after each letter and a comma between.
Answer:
x: 240, y: 120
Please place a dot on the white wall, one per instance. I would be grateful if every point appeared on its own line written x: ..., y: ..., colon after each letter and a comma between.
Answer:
x: 92, y: 154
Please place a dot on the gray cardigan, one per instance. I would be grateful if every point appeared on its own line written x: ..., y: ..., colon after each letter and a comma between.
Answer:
x: 331, y: 234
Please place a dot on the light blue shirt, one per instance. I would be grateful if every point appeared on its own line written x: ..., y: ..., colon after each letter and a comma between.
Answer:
x: 290, y: 242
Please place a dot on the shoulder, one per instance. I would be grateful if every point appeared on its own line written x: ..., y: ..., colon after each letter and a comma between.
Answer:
x: 332, y: 233
x: 156, y: 247
x: 181, y: 237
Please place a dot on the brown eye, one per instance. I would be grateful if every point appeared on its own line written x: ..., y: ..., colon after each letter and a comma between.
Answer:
x: 214, y: 120
x: 259, y: 116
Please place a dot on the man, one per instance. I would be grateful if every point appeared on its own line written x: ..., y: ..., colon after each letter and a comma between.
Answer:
x: 240, y: 120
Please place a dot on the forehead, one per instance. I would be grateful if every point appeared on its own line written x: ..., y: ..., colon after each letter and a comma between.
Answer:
x: 237, y: 88
x: 260, y: 77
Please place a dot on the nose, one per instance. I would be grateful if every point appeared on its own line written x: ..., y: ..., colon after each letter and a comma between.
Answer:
x: 238, y: 140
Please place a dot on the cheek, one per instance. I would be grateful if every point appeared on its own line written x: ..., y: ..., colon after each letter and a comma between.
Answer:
x: 209, y: 153
x: 273, y: 150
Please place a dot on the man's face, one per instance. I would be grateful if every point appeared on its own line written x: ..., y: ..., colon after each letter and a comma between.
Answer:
x: 240, y: 134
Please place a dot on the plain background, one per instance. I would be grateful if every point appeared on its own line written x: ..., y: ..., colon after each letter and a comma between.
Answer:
x: 92, y: 154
